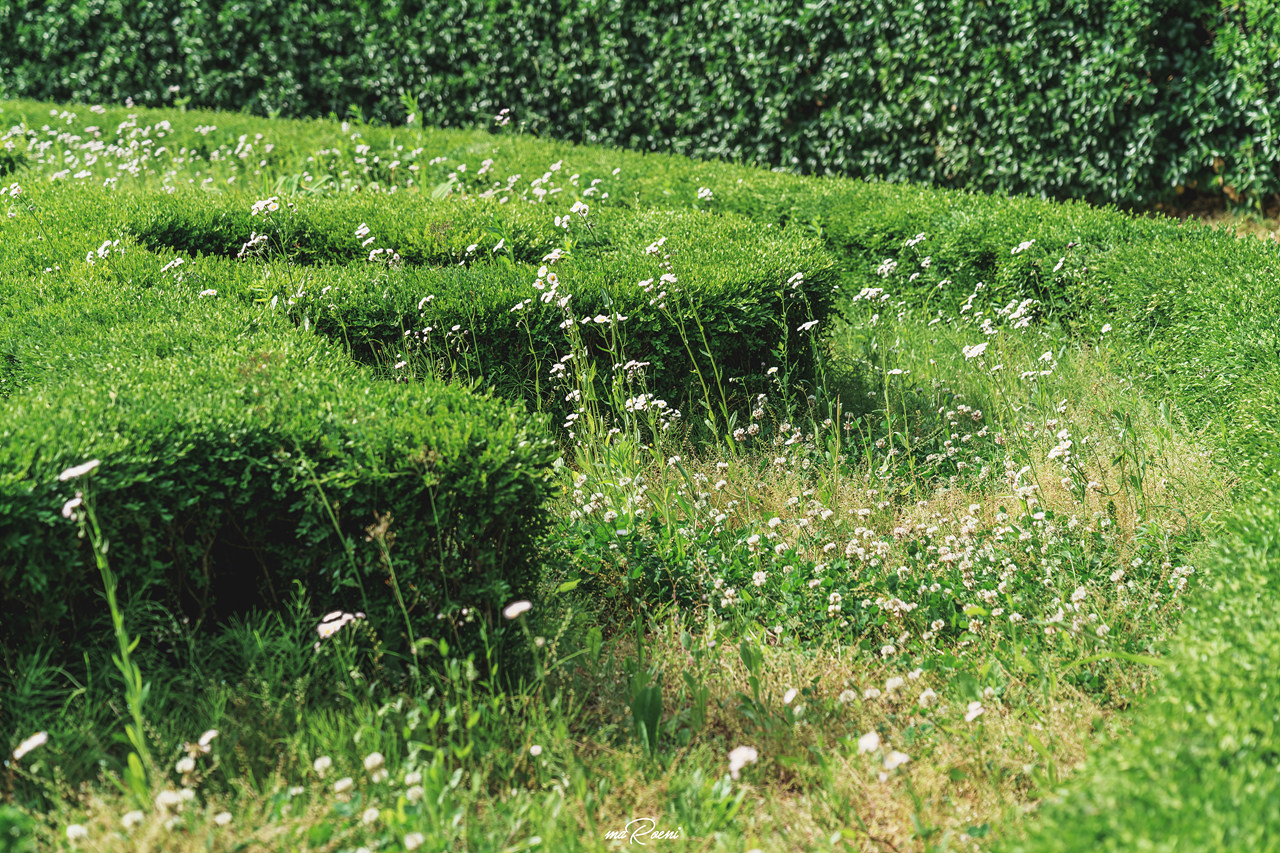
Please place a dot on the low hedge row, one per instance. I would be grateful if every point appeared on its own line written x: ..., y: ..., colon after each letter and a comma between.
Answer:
x: 239, y: 455
x: 231, y: 473
x: 1086, y: 266
x: 1117, y: 100
x: 1192, y: 307
x: 734, y: 307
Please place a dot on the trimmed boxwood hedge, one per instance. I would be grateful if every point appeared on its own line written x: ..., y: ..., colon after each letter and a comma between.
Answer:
x: 220, y: 471
x: 733, y: 281
x: 240, y: 454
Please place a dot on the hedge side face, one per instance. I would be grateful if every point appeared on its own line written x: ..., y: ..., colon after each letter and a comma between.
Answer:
x: 230, y: 473
x: 1114, y: 100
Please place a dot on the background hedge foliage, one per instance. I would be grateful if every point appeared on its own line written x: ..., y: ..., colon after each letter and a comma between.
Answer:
x: 1125, y: 101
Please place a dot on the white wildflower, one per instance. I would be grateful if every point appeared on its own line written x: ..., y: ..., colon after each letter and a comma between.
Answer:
x: 516, y: 609
x: 79, y: 470
x: 740, y: 757
x: 36, y: 740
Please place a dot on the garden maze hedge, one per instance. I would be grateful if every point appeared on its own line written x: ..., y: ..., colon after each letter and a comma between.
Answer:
x: 250, y: 411
x: 220, y: 420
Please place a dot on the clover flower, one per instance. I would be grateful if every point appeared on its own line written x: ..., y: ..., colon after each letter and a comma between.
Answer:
x: 740, y: 757
x: 36, y: 740
x: 168, y: 799
x: 516, y: 609
x: 869, y: 742
x: 895, y: 759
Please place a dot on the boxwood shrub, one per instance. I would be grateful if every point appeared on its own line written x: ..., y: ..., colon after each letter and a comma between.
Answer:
x: 241, y: 455
x: 742, y: 291
x: 230, y: 474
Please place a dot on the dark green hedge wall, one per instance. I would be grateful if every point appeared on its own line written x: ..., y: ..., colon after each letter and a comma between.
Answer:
x: 1111, y: 100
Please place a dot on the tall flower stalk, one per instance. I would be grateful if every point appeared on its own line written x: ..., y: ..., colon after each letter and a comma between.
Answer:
x: 139, y: 762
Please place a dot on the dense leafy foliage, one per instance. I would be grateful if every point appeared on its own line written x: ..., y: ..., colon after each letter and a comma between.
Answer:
x: 1118, y: 100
